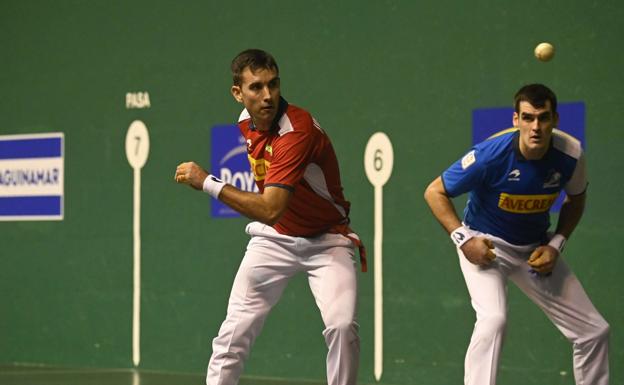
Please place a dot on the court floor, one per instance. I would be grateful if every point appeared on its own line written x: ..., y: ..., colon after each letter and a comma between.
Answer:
x: 43, y: 375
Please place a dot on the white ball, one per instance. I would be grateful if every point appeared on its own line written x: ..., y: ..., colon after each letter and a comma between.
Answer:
x: 544, y: 51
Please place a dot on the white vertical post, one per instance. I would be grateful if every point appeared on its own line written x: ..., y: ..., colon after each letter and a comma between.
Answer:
x: 378, y: 162
x: 136, y: 297
x: 137, y: 150
x: 378, y: 290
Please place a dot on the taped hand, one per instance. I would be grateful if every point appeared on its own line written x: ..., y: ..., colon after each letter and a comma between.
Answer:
x: 543, y: 259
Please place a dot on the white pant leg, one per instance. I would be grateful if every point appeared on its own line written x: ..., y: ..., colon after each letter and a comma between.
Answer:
x: 488, y: 292
x: 566, y: 304
x: 259, y: 283
x: 332, y: 279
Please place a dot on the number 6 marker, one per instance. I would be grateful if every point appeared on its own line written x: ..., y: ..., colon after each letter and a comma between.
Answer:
x: 137, y: 149
x: 378, y: 161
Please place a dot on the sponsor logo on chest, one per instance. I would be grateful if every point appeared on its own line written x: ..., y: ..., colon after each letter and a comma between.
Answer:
x: 257, y: 160
x: 553, y: 179
x: 526, y: 204
x: 259, y: 167
x: 514, y: 176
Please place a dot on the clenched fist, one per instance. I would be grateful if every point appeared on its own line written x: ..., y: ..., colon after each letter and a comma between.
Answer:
x: 478, y: 250
x: 543, y: 259
x: 190, y: 173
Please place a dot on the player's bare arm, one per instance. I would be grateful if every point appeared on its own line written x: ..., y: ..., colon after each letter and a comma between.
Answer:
x: 266, y: 208
x: 544, y: 258
x: 478, y: 250
x: 570, y: 214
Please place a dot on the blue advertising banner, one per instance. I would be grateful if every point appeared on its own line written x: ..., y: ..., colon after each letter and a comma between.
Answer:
x: 31, y: 177
x: 229, y: 162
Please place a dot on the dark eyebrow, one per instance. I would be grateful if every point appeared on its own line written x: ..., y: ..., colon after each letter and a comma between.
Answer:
x: 258, y: 83
x: 530, y: 115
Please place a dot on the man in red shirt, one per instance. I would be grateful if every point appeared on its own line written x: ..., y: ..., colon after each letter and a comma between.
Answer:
x: 301, y: 224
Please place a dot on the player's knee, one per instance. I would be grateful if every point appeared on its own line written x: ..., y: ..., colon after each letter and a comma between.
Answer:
x: 345, y: 326
x: 493, y: 323
x: 605, y: 330
x: 599, y: 333
x: 342, y: 328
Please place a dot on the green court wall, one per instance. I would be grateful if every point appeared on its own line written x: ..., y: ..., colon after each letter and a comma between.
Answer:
x: 414, y: 70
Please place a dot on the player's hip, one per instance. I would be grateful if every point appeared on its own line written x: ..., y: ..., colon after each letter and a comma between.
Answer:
x: 261, y: 231
x: 510, y: 249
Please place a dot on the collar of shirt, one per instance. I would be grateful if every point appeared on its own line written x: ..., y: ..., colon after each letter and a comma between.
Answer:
x: 281, y: 110
x: 516, y: 147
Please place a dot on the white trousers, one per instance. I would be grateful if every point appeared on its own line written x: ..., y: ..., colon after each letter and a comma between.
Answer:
x: 270, y: 261
x: 559, y: 295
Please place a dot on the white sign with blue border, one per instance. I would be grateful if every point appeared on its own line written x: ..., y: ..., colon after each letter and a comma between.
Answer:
x: 31, y: 177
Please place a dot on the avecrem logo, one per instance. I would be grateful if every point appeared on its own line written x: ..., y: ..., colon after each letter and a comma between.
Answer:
x: 229, y: 162
x: 526, y: 204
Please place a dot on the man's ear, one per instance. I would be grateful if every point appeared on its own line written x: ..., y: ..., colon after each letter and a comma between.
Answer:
x: 515, y: 119
x: 237, y: 93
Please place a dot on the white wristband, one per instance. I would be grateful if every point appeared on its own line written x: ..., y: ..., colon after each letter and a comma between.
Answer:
x: 460, y: 235
x: 213, y: 186
x: 558, y: 241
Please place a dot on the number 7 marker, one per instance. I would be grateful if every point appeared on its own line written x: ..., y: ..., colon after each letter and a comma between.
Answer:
x: 137, y: 149
x: 378, y: 161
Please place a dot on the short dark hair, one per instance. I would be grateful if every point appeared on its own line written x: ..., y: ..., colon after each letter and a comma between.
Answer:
x: 537, y: 95
x: 254, y: 59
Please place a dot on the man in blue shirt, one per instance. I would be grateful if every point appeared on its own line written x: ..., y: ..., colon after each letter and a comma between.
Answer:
x: 513, y: 179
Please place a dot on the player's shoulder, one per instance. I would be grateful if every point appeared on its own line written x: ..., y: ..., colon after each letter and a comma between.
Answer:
x: 298, y: 120
x: 244, y: 122
x: 567, y: 144
x: 502, y: 137
x: 497, y: 145
x: 244, y: 116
